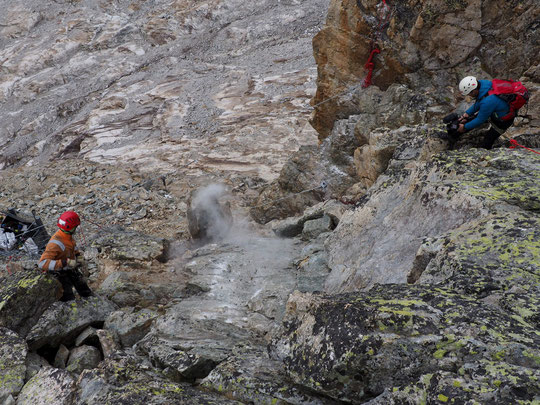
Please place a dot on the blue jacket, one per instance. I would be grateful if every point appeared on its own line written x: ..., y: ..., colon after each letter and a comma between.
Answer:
x: 486, y: 106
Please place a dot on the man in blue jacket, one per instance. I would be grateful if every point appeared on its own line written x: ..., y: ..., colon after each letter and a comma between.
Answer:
x: 487, y: 107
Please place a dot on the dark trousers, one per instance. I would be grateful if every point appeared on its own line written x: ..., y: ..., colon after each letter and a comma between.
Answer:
x: 496, y: 129
x: 72, y: 278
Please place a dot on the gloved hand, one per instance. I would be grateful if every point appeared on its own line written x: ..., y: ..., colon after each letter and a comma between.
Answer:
x: 71, y: 263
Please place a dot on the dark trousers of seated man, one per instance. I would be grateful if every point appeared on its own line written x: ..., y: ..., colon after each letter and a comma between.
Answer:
x: 70, y: 278
x: 496, y: 129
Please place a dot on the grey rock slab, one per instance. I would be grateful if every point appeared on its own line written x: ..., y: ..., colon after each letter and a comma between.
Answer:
x: 34, y: 363
x: 119, y: 289
x: 353, y: 346
x: 88, y: 336
x: 315, y: 227
x: 50, y: 386
x: 130, y: 326
x: 293, y: 226
x: 249, y: 375
x: 180, y: 365
x: 128, y: 379
x: 64, y: 321
x: 232, y: 274
x: 82, y: 358
x: 130, y: 245
x: 61, y: 358
x: 13, y: 351
x: 108, y: 343
x: 24, y: 296
x: 192, y: 58
x: 413, y: 200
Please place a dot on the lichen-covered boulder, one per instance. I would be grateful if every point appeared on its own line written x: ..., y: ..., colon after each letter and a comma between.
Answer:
x: 181, y: 365
x: 51, y: 386
x: 353, y: 346
x: 82, y: 358
x: 13, y: 351
x: 64, y: 321
x: 119, y: 288
x: 496, y: 258
x: 250, y: 376
x: 24, y: 296
x: 415, y: 200
x: 34, y: 363
x: 126, y: 379
x: 130, y: 325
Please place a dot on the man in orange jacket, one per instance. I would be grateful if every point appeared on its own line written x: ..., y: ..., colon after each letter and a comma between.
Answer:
x: 60, y: 257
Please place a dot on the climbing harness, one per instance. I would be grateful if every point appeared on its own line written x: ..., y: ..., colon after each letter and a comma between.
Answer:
x: 514, y: 144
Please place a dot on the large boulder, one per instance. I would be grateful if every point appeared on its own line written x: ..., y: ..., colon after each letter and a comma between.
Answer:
x: 311, y: 175
x: 352, y: 347
x: 130, y: 247
x: 126, y: 379
x: 130, y: 325
x: 82, y: 358
x: 416, y: 200
x: 119, y: 288
x: 64, y: 321
x: 13, y: 351
x: 250, y: 376
x: 24, y: 296
x: 50, y: 386
x: 208, y: 217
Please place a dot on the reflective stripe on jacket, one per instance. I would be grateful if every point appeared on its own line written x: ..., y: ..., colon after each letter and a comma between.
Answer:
x: 60, y: 247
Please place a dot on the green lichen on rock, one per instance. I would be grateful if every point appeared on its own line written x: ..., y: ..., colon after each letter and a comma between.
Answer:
x: 497, y: 177
x: 123, y: 380
x: 339, y: 348
x: 13, y: 352
x: 250, y: 376
x: 24, y: 296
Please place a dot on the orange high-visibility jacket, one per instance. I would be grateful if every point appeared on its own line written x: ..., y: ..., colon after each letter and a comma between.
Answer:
x: 60, y: 247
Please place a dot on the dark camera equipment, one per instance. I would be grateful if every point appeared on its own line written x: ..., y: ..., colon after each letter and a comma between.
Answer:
x: 452, y: 124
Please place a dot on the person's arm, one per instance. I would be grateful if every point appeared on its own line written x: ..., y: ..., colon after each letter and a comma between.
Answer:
x: 51, y: 259
x: 472, y: 109
x: 484, y: 112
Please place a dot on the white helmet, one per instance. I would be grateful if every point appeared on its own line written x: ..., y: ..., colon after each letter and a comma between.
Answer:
x: 468, y: 84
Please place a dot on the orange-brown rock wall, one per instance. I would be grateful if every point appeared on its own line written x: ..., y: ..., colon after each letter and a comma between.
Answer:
x: 423, y: 43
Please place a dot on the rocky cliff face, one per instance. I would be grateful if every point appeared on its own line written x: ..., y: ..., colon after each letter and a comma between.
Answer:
x: 428, y: 45
x: 156, y: 85
x: 389, y: 269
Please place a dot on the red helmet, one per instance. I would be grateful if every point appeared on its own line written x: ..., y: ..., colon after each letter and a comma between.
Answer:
x: 68, y: 221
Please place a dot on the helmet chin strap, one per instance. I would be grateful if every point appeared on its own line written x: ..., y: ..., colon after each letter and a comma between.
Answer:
x: 69, y: 232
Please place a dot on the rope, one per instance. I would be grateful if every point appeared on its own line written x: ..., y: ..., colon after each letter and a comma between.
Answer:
x: 384, y: 18
x: 514, y: 144
x: 369, y: 67
x: 384, y: 15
